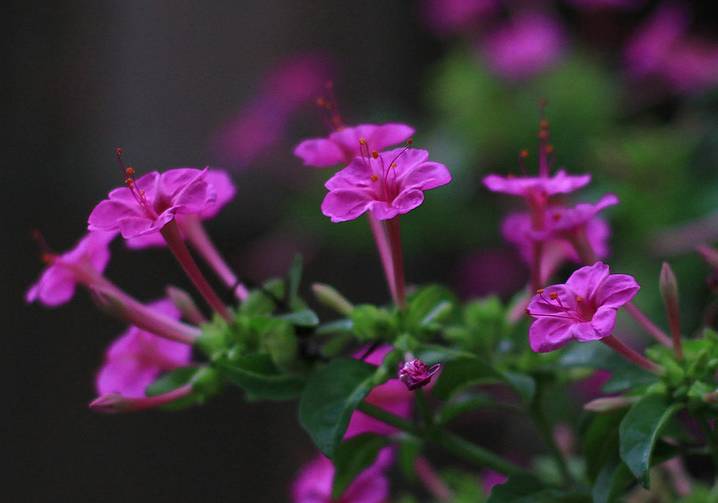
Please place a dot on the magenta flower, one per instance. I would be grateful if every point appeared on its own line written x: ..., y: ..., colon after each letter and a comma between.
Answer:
x: 662, y: 48
x: 83, y: 263
x: 524, y: 46
x: 491, y: 479
x: 314, y: 484
x: 262, y: 122
x: 387, y: 184
x: 562, y: 221
x: 584, y: 308
x: 343, y: 145
x: 530, y: 186
x: 138, y: 357
x: 146, y: 205
x: 417, y: 374
x: 219, y: 182
x: 516, y: 229
x: 450, y: 16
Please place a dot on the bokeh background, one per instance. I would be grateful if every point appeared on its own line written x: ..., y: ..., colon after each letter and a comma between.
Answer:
x: 232, y: 84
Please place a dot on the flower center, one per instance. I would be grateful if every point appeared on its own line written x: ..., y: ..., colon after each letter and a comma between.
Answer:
x: 137, y: 193
x: 384, y: 179
x: 582, y: 312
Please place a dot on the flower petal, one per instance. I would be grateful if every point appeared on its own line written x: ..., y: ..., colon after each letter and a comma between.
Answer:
x: 386, y: 135
x: 616, y: 290
x: 586, y: 280
x: 320, y: 152
x: 345, y: 204
x: 548, y: 334
x: 107, y: 214
x: 425, y: 176
x: 604, y: 321
x: 408, y: 200
x: 584, y: 332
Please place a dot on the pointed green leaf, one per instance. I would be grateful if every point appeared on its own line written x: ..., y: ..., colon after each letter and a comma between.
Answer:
x: 294, y: 279
x: 639, y: 430
x: 258, y: 376
x: 462, y: 372
x: 330, y: 397
x: 303, y: 318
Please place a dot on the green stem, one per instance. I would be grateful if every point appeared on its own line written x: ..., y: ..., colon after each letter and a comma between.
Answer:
x: 456, y: 445
x: 423, y: 408
x: 539, y: 418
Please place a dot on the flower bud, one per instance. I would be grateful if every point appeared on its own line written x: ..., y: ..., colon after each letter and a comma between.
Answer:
x: 331, y: 298
x: 669, y: 291
x: 607, y: 404
x: 417, y: 374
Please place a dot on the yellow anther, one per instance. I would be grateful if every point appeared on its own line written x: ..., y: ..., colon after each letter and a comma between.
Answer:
x: 375, y: 154
x: 374, y: 178
x: 553, y: 296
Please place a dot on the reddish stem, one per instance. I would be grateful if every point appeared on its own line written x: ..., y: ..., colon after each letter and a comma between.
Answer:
x: 432, y: 481
x: 647, y: 324
x: 394, y: 234
x: 117, y: 403
x: 382, y: 246
x: 536, y: 279
x: 631, y: 355
x: 176, y: 244
x: 200, y: 240
x: 583, y: 247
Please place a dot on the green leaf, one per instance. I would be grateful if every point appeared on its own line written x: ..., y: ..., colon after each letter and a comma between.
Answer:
x: 302, y: 318
x: 611, y: 483
x: 353, y: 457
x: 258, y: 376
x: 330, y: 397
x: 461, y: 406
x: 430, y: 304
x: 294, y: 279
x: 409, y: 450
x: 460, y: 373
x: 372, y: 323
x: 600, y: 441
x: 528, y: 489
x: 523, y: 384
x: 639, y: 430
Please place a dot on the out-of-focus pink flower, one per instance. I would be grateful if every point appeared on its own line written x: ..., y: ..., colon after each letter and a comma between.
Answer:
x: 86, y: 260
x: 147, y: 204
x: 343, y: 145
x: 584, y: 308
x: 591, y: 387
x: 490, y: 479
x: 523, y: 47
x: 314, y: 484
x: 516, y: 229
x: 138, y: 357
x: 219, y: 182
x: 417, y: 374
x: 529, y: 186
x: 450, y: 16
x: 607, y: 4
x: 391, y: 396
x: 562, y: 221
x: 663, y: 49
x: 262, y: 123
x: 387, y: 184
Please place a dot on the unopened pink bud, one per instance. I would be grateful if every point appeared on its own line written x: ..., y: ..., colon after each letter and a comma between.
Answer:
x: 607, y: 404
x: 417, y: 374
x: 111, y: 403
x: 669, y: 291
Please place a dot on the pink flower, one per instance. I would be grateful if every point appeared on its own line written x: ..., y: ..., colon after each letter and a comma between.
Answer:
x: 524, y: 47
x: 517, y: 229
x: 662, y: 48
x: 584, y: 308
x: 491, y: 478
x: 219, y: 182
x: 417, y: 374
x: 262, y: 122
x: 85, y: 261
x: 530, y: 186
x: 387, y: 184
x: 343, y: 145
x: 449, y: 16
x: 138, y: 357
x: 562, y: 221
x: 314, y: 484
x: 145, y: 206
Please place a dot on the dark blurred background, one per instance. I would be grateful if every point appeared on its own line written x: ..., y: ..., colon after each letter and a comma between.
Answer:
x: 162, y: 79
